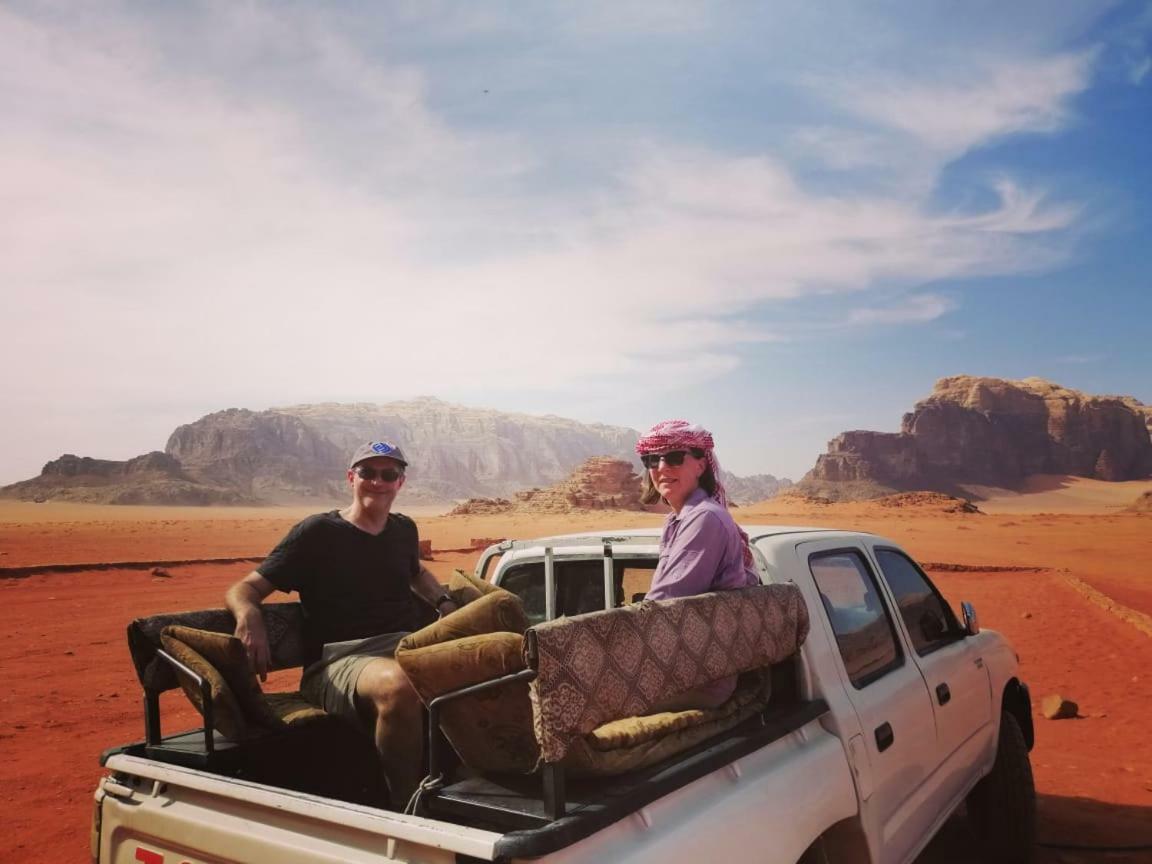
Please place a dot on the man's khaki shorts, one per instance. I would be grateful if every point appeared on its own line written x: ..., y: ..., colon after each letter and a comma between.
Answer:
x: 330, y: 682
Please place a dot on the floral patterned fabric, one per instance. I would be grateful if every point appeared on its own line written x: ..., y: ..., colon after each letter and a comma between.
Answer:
x: 603, y: 666
x: 283, y: 621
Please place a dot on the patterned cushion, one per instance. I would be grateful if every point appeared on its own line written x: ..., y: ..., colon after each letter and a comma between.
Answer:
x: 283, y: 622
x: 491, y: 730
x: 494, y: 612
x: 464, y: 587
x: 616, y: 663
x: 238, y: 706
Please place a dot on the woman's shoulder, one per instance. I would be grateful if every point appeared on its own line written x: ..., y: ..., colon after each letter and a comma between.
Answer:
x: 706, y: 513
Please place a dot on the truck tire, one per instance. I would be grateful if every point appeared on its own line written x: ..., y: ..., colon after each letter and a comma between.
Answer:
x: 1002, y: 806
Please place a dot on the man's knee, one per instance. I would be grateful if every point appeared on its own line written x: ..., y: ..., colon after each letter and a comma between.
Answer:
x: 384, y: 686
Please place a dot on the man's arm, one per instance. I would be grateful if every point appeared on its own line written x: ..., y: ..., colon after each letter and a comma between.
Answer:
x: 243, y: 600
x: 428, y: 587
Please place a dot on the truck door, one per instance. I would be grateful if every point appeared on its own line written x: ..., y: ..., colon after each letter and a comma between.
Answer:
x: 886, y: 691
x: 958, y: 682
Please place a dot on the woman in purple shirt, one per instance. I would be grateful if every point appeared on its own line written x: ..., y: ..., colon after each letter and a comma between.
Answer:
x: 702, y: 548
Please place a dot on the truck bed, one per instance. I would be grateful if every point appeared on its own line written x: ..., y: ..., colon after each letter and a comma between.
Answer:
x: 494, y: 819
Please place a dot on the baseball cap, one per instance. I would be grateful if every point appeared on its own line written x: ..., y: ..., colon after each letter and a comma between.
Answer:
x: 377, y: 448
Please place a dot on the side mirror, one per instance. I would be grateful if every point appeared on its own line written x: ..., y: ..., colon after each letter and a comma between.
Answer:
x: 971, y: 619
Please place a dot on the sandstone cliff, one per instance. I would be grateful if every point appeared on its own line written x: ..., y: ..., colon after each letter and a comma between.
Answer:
x: 266, y: 455
x: 600, y: 483
x: 989, y: 432
x: 154, y: 478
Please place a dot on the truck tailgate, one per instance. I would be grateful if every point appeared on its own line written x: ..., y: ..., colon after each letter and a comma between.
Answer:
x: 204, y: 819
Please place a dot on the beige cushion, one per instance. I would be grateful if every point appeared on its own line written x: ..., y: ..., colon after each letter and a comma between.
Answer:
x: 238, y: 705
x: 491, y: 730
x: 292, y: 708
x: 494, y: 612
x: 464, y: 587
x: 637, y: 742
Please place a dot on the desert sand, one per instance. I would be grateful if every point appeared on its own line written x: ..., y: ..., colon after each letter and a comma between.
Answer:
x: 1058, y: 569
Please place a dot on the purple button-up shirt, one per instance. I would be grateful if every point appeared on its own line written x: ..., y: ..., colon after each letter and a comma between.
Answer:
x: 701, y: 550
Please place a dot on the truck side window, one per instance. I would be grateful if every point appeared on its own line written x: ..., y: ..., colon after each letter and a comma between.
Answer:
x: 864, y: 630
x: 930, y: 621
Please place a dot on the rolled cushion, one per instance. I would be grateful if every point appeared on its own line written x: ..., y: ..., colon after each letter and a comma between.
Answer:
x: 464, y: 587
x: 637, y: 742
x: 495, y: 612
x: 238, y: 704
x: 491, y: 730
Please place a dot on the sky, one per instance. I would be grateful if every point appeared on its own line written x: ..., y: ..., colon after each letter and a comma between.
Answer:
x: 780, y: 220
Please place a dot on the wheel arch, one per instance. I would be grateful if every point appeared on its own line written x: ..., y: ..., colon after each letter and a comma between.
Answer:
x: 1017, y: 700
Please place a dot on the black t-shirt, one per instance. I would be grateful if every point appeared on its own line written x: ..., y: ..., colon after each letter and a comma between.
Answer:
x: 352, y: 584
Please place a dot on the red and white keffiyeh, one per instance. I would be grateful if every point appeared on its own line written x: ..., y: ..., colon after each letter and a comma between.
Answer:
x: 681, y: 435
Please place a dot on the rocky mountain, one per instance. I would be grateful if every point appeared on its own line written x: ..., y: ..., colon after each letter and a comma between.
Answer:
x: 154, y: 478
x: 973, y: 432
x: 298, y: 454
x: 757, y: 487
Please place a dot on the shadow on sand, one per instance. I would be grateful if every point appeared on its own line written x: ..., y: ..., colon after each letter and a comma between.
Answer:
x: 1064, y: 825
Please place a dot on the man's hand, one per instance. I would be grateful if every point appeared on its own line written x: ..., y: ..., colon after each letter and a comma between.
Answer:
x: 250, y: 631
x: 243, y: 600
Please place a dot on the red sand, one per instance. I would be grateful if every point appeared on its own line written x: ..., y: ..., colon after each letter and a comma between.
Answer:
x: 70, y: 690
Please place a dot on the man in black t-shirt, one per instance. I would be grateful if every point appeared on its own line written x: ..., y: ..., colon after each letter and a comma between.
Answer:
x: 355, y: 570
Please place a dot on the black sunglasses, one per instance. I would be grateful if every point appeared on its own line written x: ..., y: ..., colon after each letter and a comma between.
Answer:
x: 673, y: 460
x: 388, y: 475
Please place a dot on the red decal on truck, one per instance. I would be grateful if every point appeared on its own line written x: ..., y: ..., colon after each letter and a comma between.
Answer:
x: 148, y: 856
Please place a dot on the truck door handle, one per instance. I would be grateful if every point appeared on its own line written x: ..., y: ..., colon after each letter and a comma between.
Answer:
x: 943, y: 694
x: 884, y: 737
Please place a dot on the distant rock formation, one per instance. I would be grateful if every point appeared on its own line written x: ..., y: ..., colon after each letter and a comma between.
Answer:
x: 298, y: 455
x: 265, y: 455
x: 1143, y: 504
x: 600, y: 483
x: 154, y: 478
x: 989, y: 432
x: 757, y: 487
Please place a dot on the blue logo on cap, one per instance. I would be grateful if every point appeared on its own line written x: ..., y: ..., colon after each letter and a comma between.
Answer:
x: 382, y: 448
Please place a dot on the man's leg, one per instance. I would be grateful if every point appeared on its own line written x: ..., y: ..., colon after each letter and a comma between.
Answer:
x: 391, y: 708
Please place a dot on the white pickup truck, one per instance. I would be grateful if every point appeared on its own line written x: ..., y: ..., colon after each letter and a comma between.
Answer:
x: 887, y: 719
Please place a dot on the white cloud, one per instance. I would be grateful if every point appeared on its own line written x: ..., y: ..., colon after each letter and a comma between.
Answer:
x: 953, y: 115
x: 916, y: 308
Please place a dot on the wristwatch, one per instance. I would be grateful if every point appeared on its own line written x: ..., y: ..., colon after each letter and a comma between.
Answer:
x: 442, y: 598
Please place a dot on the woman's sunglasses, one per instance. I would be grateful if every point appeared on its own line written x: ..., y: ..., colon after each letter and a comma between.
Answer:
x: 388, y: 475
x: 673, y: 460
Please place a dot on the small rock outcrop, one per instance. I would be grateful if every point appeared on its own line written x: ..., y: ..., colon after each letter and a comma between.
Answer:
x: 600, y: 483
x: 989, y: 432
x: 1143, y: 504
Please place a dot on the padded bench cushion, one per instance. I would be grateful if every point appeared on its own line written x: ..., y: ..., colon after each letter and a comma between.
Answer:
x: 616, y: 663
x: 283, y: 621
x: 238, y: 705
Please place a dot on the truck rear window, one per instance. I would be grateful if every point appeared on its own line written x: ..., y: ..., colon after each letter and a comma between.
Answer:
x: 579, y: 584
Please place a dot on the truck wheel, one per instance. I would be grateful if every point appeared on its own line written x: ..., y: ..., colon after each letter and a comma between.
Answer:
x: 1002, y: 806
